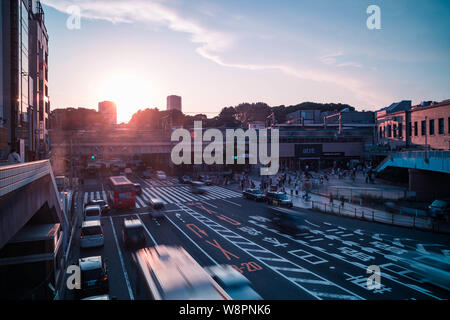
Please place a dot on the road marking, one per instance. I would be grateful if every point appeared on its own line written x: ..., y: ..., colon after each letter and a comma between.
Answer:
x: 125, y: 274
x: 204, y: 252
x: 275, y: 266
x: 148, y: 232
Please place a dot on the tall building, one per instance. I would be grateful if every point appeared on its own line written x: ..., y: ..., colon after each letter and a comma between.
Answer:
x: 174, y: 103
x: 109, y: 110
x: 22, y: 74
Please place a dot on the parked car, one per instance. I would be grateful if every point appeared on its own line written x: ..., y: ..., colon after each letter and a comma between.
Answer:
x: 254, y: 194
x: 138, y: 188
x: 91, y: 234
x: 205, y: 179
x: 156, y: 206
x: 160, y: 175
x: 198, y: 187
x: 92, y: 212
x: 278, y: 199
x: 133, y: 232
x: 185, y: 179
x: 105, y: 208
x: 94, y: 276
x: 233, y: 282
x: 440, y: 209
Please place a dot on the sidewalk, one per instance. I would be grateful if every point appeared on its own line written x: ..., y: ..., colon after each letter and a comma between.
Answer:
x: 322, y: 203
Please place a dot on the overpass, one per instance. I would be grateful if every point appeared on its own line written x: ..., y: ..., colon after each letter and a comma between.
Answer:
x: 429, y: 171
x: 25, y: 190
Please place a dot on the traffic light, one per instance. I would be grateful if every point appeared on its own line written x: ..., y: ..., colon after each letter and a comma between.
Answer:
x: 93, y: 157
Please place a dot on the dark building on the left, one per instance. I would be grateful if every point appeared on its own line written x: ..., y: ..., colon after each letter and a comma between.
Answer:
x: 24, y: 96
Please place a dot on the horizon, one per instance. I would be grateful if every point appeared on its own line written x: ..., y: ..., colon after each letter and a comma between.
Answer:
x: 254, y: 52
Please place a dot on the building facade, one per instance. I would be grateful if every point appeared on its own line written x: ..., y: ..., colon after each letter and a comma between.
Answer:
x: 426, y: 125
x: 109, y: 111
x: 174, y: 103
x: 22, y: 73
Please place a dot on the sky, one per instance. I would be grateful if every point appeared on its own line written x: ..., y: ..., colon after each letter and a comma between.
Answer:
x: 221, y: 53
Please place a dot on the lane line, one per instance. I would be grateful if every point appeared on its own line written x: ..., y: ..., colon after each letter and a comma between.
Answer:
x: 148, y: 232
x: 125, y: 274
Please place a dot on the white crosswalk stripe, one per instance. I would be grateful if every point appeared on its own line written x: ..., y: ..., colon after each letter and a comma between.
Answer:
x: 169, y: 192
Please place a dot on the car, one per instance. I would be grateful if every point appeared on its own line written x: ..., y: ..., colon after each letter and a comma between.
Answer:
x: 94, y: 276
x: 440, y: 209
x: 287, y: 220
x: 161, y: 175
x: 278, y: 199
x: 156, y: 206
x: 133, y: 232
x: 147, y: 173
x: 138, y: 188
x: 254, y: 194
x: 92, y: 212
x: 198, y: 187
x: 205, y: 179
x: 91, y: 234
x: 185, y: 179
x: 102, y: 203
x: 233, y: 282
x: 99, y: 297
x: 431, y: 267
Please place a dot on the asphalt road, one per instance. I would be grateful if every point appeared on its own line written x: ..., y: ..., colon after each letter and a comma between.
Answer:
x: 326, y: 257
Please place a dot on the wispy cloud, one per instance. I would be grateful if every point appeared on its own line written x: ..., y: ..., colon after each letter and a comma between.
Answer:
x: 212, y: 44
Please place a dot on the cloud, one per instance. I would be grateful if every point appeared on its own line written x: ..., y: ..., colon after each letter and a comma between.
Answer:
x: 213, y: 44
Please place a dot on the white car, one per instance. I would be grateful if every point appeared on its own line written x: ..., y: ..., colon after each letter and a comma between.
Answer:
x: 161, y: 175
x: 91, y: 234
x: 233, y: 282
x: 93, y: 212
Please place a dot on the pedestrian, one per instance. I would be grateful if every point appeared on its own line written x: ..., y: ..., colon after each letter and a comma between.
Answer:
x: 14, y: 157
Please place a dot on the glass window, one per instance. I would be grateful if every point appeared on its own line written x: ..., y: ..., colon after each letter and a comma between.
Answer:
x: 400, y: 130
x: 416, y: 128
x: 423, y: 127
x: 441, y: 125
x: 431, y: 126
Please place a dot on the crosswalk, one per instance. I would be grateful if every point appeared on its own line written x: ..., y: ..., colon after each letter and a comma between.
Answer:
x: 170, y: 194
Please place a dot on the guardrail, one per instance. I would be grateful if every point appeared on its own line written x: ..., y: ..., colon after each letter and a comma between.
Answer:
x: 382, y: 217
x: 13, y: 177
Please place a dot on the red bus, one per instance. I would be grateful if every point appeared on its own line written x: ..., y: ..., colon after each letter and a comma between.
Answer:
x: 121, y: 192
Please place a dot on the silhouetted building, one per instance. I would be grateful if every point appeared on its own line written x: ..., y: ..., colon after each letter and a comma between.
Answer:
x: 174, y: 103
x: 109, y: 110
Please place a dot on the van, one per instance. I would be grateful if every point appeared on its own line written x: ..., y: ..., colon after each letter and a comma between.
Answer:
x: 156, y: 206
x: 91, y: 234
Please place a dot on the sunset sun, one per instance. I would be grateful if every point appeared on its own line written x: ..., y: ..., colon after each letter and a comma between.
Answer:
x: 129, y: 92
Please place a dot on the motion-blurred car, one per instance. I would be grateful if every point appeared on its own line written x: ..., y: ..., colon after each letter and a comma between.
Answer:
x: 233, y: 282
x: 161, y: 175
x: 99, y: 297
x: 133, y: 232
x: 91, y: 234
x: 205, y: 179
x: 198, y: 187
x: 254, y: 194
x: 185, y: 179
x: 94, y: 276
x: 105, y: 208
x: 287, y: 220
x: 278, y: 199
x: 138, y: 188
x: 156, y: 207
x: 440, y: 209
x: 92, y: 212
x: 431, y: 267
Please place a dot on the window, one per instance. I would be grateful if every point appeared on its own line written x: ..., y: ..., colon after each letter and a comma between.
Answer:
x: 409, y: 129
x: 400, y: 130
x: 389, y: 131
x: 423, y: 127
x: 431, y: 126
x: 441, y: 125
x: 395, y: 131
x: 416, y: 128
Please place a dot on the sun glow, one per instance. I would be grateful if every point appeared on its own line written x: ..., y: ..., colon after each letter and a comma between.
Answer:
x: 129, y: 92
